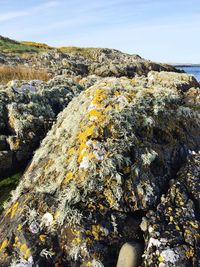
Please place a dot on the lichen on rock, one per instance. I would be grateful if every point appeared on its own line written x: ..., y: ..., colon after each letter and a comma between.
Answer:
x: 105, y: 162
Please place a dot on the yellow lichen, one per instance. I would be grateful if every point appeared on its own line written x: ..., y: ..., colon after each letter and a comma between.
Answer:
x: 27, y: 253
x: 14, y: 208
x: 194, y: 225
x: 23, y: 247
x: 99, y: 97
x: 190, y: 253
x: 68, y: 177
x: 96, y: 231
x: 19, y: 227
x: 4, y: 244
x: 160, y: 258
x: 42, y: 238
x: 109, y: 197
x: 88, y: 132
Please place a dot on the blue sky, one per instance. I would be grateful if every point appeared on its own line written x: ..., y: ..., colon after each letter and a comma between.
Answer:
x: 160, y: 30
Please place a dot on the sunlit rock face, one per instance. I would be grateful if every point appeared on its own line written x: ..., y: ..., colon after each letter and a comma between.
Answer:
x: 101, y: 168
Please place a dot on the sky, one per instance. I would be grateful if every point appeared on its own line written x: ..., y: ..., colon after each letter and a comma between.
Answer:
x: 160, y: 30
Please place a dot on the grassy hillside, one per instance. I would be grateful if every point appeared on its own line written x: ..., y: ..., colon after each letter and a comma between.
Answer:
x: 10, y: 46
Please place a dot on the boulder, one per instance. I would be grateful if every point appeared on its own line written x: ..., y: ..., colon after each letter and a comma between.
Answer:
x: 130, y: 255
x: 28, y: 110
x: 172, y: 234
x: 102, y: 167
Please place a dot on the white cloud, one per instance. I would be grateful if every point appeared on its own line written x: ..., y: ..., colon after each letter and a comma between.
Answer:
x: 6, y: 16
x: 12, y: 15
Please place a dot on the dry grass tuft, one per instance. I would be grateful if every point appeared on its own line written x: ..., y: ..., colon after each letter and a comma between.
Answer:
x: 8, y: 73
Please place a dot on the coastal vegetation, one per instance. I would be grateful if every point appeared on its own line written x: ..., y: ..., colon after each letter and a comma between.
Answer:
x: 20, y: 72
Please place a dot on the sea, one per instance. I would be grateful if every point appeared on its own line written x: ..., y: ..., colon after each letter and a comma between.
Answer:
x: 195, y: 70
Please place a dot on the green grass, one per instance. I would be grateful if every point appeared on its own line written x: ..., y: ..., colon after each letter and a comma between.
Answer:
x: 6, y: 185
x: 15, y: 47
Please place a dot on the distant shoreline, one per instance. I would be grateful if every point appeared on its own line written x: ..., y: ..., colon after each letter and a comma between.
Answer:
x: 185, y: 65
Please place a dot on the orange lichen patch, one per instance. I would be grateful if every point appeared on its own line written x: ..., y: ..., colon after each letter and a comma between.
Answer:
x: 88, y: 132
x: 71, y: 151
x: 68, y: 177
x: 4, y: 244
x: 89, y: 264
x: 12, y: 210
x: 96, y: 231
x: 130, y: 96
x: 160, y: 258
x: 48, y: 164
x: 109, y: 197
x: 19, y: 227
x: 95, y: 113
x: 194, y: 224
x: 77, y: 241
x: 23, y: 247
x: 190, y: 253
x: 99, y: 97
x: 42, y: 238
x: 27, y: 253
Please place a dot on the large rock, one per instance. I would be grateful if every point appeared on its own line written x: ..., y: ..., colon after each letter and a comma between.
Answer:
x: 28, y: 110
x: 172, y: 232
x: 107, y: 160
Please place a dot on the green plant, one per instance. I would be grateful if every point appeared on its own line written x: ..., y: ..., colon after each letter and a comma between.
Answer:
x: 6, y: 185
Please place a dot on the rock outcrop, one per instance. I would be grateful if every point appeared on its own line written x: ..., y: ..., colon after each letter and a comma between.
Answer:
x: 104, y: 166
x: 172, y: 232
x: 100, y: 62
x: 28, y: 110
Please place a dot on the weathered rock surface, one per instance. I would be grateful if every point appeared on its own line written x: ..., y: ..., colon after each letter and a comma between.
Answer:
x: 173, y: 230
x: 105, y: 163
x: 100, y: 62
x: 27, y: 111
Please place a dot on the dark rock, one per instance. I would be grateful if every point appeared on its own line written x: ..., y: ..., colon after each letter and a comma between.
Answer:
x: 6, y: 161
x: 3, y: 143
x: 172, y: 235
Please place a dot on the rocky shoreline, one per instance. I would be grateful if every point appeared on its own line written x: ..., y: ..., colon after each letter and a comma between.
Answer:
x: 111, y: 151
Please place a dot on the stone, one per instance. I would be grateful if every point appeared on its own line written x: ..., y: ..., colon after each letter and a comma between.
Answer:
x: 175, y: 223
x: 29, y: 109
x: 102, y: 170
x: 130, y: 255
